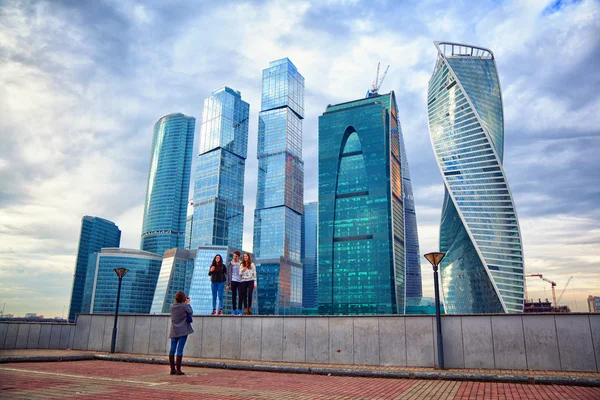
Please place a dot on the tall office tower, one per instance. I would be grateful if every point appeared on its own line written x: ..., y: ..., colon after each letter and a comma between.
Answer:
x: 138, y: 285
x: 219, y: 182
x: 95, y: 234
x: 414, y: 284
x: 309, y: 256
x: 176, y: 273
x: 189, y: 224
x: 165, y: 209
x: 280, y: 194
x: 593, y: 304
x: 479, y: 232
x: 361, y: 212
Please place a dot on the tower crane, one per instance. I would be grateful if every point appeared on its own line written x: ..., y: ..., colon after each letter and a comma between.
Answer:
x: 553, y: 288
x: 377, y: 82
x: 563, y: 291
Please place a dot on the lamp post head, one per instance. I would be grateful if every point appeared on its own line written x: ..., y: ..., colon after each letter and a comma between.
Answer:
x: 121, y: 272
x: 435, y: 259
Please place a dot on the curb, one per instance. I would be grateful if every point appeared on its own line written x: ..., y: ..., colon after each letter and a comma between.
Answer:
x: 446, y: 376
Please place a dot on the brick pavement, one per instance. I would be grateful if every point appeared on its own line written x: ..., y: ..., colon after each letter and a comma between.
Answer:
x: 118, y: 380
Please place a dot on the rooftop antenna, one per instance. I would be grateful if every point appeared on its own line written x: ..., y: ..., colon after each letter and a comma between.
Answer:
x: 374, y: 91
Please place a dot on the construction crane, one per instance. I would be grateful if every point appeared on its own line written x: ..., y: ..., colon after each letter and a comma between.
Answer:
x: 377, y: 82
x: 551, y: 283
x: 563, y: 291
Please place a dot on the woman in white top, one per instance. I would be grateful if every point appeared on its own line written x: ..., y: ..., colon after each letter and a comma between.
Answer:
x: 248, y: 277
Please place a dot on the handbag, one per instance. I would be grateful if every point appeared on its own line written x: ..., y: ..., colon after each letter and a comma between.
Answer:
x: 189, y: 319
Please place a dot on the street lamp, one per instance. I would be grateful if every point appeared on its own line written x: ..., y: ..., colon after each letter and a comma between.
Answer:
x: 435, y: 259
x: 120, y: 273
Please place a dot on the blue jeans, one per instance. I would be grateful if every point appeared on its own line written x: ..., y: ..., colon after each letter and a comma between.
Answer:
x: 177, y: 343
x: 217, y: 290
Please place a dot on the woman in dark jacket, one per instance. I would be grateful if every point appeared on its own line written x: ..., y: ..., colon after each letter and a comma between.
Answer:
x: 180, y: 329
x: 218, y: 277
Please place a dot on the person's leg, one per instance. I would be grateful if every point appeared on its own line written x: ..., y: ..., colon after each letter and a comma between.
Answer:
x: 234, y: 289
x: 243, y: 295
x: 250, y: 291
x: 180, y: 345
x: 220, y: 290
x: 172, y: 355
x: 213, y: 287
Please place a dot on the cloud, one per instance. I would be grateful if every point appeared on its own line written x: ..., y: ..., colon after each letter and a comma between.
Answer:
x: 82, y: 84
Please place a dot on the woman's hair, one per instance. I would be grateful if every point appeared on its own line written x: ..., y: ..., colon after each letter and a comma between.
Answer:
x: 180, y: 297
x: 217, y: 265
x: 247, y: 264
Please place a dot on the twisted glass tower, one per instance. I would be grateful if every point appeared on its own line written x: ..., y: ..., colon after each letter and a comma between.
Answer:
x: 483, y: 268
x: 280, y: 194
x: 218, y: 217
x: 165, y: 208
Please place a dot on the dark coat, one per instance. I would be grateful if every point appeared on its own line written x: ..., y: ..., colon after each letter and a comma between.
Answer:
x: 218, y: 276
x: 179, y: 325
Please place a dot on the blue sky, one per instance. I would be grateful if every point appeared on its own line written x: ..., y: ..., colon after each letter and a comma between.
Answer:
x: 83, y: 82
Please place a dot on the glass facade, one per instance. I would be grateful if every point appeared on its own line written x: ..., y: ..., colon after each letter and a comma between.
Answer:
x: 280, y: 192
x: 200, y: 292
x: 414, y: 283
x: 309, y: 255
x: 165, y: 208
x: 189, y: 224
x: 219, y: 182
x: 176, y: 273
x: 361, y: 253
x: 95, y: 234
x: 483, y: 270
x: 138, y: 285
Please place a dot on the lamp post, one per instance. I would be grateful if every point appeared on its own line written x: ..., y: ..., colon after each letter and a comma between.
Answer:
x: 435, y: 259
x: 120, y: 273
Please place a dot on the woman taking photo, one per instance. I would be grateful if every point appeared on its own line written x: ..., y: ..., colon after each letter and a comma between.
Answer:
x: 181, y: 327
x: 218, y: 276
x: 248, y: 277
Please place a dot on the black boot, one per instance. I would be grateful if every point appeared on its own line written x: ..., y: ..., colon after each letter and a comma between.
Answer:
x: 172, y: 364
x: 179, y: 371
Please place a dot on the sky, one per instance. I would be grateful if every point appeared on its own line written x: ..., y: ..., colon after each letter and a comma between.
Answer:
x: 83, y: 82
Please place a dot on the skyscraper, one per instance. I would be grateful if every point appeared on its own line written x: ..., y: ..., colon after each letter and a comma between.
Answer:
x: 95, y: 234
x: 138, y: 285
x: 414, y: 284
x: 361, y: 213
x: 176, y: 273
x: 219, y: 182
x: 165, y: 208
x: 479, y: 232
x: 309, y: 256
x: 280, y: 194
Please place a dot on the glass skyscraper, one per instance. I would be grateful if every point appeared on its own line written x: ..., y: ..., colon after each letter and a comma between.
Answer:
x: 138, y: 285
x: 414, y: 284
x: 280, y: 194
x: 95, y: 234
x: 165, y: 208
x: 483, y: 269
x: 176, y: 273
x: 219, y: 182
x: 361, y: 246
x: 309, y: 256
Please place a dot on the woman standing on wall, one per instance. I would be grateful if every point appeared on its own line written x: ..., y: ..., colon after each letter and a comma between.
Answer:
x: 181, y: 327
x: 218, y: 276
x: 248, y: 276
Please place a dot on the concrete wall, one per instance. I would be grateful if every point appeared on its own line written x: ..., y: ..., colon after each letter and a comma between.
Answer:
x: 36, y: 335
x: 559, y: 342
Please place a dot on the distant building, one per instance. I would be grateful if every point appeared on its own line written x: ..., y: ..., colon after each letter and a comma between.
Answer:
x: 361, y: 249
x: 309, y: 256
x: 32, y: 315
x: 95, y: 234
x: 176, y: 273
x: 138, y: 285
x: 280, y: 191
x: 422, y: 306
x: 219, y: 180
x: 483, y: 270
x: 165, y: 208
x: 593, y: 303
x: 189, y: 225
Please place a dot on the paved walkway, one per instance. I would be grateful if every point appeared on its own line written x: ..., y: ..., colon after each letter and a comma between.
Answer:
x: 97, y: 379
